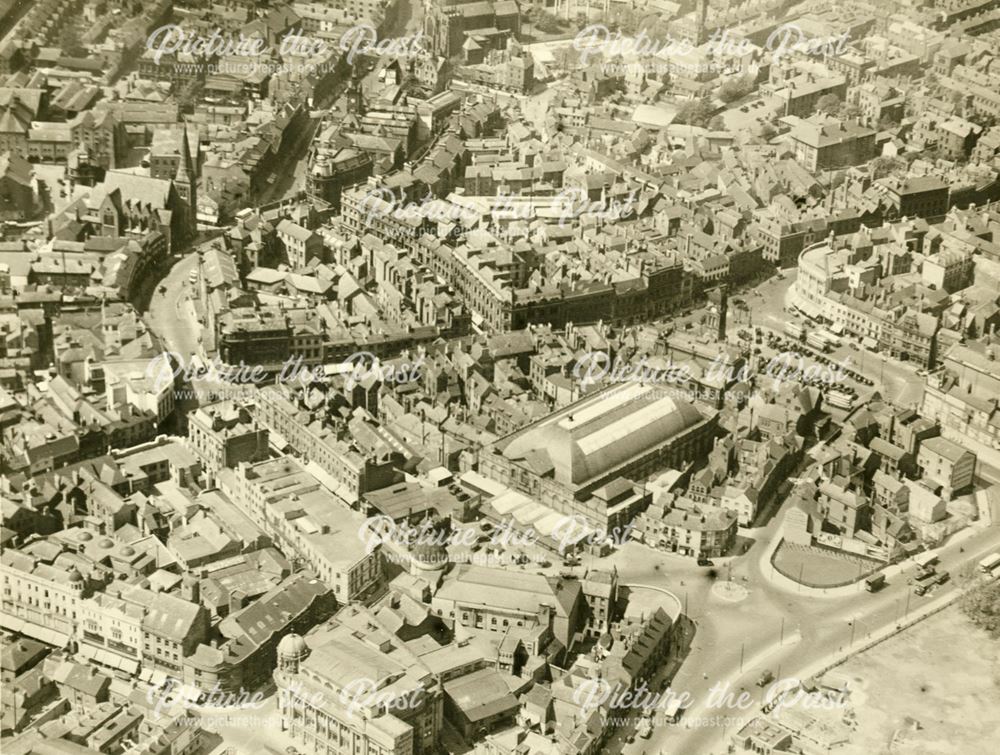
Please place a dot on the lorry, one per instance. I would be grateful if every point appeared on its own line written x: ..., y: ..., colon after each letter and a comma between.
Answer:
x: 672, y: 713
x: 875, y: 582
x: 924, y: 583
x: 925, y: 562
x: 989, y: 563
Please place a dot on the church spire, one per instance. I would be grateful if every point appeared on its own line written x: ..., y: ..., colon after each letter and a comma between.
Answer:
x: 185, y: 173
x: 185, y: 183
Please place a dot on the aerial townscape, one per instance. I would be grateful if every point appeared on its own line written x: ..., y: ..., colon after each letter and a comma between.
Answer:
x: 500, y: 377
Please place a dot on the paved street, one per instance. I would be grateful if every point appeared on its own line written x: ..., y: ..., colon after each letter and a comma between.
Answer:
x: 775, y: 628
x: 173, y: 317
x: 249, y: 730
x: 171, y: 312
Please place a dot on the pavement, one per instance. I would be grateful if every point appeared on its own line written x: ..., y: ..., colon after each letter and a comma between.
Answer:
x: 791, y: 632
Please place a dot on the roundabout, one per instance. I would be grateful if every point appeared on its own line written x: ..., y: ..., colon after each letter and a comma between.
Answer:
x: 730, y: 591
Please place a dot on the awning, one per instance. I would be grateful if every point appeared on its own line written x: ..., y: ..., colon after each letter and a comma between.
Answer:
x: 548, y: 523
x: 530, y: 513
x: 158, y: 678
x: 869, y: 343
x: 510, y: 501
x: 43, y: 634
x: 807, y: 308
x: 50, y: 636
x: 12, y: 623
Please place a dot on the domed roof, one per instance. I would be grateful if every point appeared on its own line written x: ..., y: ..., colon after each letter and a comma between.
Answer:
x: 107, y: 542
x: 84, y: 536
x: 128, y: 550
x: 75, y: 576
x: 594, y: 436
x: 292, y: 646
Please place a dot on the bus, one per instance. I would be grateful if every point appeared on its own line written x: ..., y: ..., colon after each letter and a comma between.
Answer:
x: 840, y: 399
x: 818, y: 342
x: 793, y: 330
x: 989, y: 563
x: 830, y: 338
x: 925, y: 560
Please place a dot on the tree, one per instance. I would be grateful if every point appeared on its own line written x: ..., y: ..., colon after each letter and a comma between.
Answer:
x: 734, y: 89
x: 982, y: 606
x: 850, y: 111
x: 546, y: 22
x: 828, y: 103
x: 695, y: 113
x: 884, y: 166
x: 887, y: 123
x: 69, y: 41
x: 768, y: 131
x: 718, y: 123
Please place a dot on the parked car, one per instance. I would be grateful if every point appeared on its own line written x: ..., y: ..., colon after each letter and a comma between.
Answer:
x: 705, y: 562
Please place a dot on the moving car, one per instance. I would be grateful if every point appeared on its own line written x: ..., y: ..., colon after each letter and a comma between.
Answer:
x: 645, y: 727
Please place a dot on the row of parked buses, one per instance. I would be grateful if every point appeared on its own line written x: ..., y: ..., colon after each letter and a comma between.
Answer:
x: 821, y: 340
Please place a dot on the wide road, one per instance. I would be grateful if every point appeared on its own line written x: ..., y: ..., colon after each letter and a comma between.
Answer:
x: 781, y: 630
x: 171, y: 313
x: 173, y: 318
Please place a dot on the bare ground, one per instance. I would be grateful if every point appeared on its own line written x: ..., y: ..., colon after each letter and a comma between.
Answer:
x: 934, y: 688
